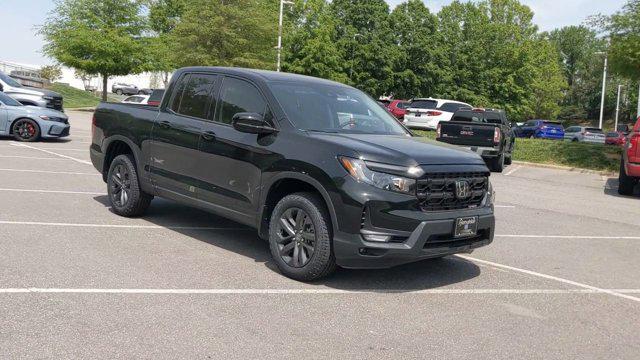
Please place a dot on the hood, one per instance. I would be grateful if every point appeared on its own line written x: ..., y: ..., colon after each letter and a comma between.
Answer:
x: 36, y: 110
x: 400, y: 149
x: 34, y: 91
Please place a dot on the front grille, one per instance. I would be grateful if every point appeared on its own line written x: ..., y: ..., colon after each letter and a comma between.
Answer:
x: 55, y: 103
x: 437, y: 192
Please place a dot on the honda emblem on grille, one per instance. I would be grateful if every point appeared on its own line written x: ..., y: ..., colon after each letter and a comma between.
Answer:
x: 463, y: 190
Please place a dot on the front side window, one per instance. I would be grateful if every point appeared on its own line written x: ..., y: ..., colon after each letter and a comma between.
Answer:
x: 334, y: 108
x: 239, y: 96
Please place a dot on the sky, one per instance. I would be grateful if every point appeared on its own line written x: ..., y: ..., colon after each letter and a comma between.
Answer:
x: 19, y: 19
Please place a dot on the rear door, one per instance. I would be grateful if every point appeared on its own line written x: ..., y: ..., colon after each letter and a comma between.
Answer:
x: 176, y: 135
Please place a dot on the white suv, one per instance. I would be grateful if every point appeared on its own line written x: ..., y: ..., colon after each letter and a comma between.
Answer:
x: 426, y: 113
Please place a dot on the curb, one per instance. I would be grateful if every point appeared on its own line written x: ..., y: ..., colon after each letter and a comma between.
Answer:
x: 567, y: 168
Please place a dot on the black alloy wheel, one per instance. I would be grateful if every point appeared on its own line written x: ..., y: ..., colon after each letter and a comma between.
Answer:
x: 296, y: 237
x: 120, y: 185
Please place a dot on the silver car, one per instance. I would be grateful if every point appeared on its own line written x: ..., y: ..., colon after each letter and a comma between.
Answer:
x: 30, y: 123
x: 584, y: 134
x: 124, y: 89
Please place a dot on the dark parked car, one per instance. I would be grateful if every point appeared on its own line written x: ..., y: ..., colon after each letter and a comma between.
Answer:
x: 540, y: 129
x: 323, y: 172
x: 484, y: 131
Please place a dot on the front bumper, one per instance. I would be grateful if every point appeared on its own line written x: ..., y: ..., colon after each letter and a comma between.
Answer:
x: 53, y: 129
x: 414, y: 234
x: 433, y: 238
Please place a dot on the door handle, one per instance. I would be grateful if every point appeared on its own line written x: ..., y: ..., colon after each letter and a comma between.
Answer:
x: 208, y: 135
x: 165, y: 124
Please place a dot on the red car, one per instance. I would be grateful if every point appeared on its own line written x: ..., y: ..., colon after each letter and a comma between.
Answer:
x: 398, y: 108
x: 630, y: 165
x: 615, y: 138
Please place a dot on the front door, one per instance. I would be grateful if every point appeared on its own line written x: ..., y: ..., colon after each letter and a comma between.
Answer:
x: 234, y: 160
x: 176, y: 135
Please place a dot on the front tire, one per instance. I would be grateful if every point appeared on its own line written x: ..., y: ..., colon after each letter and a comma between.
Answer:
x: 125, y: 195
x: 626, y: 183
x: 300, y: 239
x: 25, y: 130
x: 119, y: 92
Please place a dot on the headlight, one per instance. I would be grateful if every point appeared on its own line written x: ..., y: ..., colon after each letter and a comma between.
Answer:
x: 47, y: 97
x: 359, y: 171
x: 490, y: 198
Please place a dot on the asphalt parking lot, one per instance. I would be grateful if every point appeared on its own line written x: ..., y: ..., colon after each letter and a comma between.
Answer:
x: 561, y: 280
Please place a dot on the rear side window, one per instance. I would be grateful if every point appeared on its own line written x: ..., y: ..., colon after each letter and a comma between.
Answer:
x: 612, y: 134
x: 196, y: 95
x: 551, y: 123
x: 240, y: 96
x: 452, y: 107
x: 424, y: 104
x: 594, y: 130
x: 156, y: 95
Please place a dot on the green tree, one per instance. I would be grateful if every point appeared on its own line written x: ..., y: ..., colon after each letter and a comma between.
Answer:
x: 420, y: 62
x: 164, y: 17
x: 97, y: 36
x: 623, y: 28
x: 226, y: 33
x: 51, y: 73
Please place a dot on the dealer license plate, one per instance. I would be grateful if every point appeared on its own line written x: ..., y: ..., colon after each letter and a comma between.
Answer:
x: 465, y: 227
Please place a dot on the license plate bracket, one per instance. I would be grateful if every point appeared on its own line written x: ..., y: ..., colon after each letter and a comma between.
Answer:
x: 466, y: 227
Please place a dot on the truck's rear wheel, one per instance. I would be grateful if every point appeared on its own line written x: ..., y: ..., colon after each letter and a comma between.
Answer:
x: 497, y: 164
x: 300, y: 238
x: 125, y: 195
x: 626, y: 183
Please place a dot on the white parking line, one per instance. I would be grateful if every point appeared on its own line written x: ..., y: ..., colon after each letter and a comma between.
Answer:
x: 54, y: 191
x: 116, y: 226
x: 53, y: 153
x: 568, y: 237
x: 514, y: 169
x: 308, y: 291
x: 554, y: 278
x: 30, y: 157
x: 51, y: 172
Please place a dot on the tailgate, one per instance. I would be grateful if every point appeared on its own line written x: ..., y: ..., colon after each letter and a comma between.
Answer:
x: 467, y: 133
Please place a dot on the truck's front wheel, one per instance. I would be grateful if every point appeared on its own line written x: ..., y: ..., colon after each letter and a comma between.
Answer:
x: 300, y: 238
x: 125, y: 195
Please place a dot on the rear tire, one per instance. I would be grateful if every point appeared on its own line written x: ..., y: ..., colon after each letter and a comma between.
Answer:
x: 119, y: 92
x: 508, y: 160
x: 497, y: 164
x: 626, y: 183
x: 302, y: 248
x: 125, y: 195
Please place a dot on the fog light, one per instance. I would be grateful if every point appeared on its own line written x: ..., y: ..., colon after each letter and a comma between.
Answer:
x: 377, y: 238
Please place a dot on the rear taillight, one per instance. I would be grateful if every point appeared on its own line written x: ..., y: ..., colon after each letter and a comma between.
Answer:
x: 438, y: 130
x: 434, y: 113
x: 634, y: 145
x: 497, y: 135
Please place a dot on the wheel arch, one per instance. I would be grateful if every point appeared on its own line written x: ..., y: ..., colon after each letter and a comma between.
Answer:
x: 288, y: 183
x: 24, y: 118
x: 118, y: 145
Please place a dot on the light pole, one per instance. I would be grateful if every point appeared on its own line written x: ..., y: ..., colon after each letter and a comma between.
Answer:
x: 638, y: 113
x: 282, y: 2
x: 352, y: 56
x: 604, y: 86
x: 615, y: 126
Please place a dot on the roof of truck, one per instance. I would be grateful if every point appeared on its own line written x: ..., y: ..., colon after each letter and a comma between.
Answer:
x: 266, y: 75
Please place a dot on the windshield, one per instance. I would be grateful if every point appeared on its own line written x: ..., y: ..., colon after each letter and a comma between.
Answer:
x: 9, y: 80
x: 335, y: 109
x: 9, y: 101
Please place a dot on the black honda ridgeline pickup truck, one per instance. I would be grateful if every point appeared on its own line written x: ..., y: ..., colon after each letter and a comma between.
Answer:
x: 323, y: 172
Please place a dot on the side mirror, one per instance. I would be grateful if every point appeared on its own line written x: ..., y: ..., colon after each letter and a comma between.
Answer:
x: 252, y: 123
